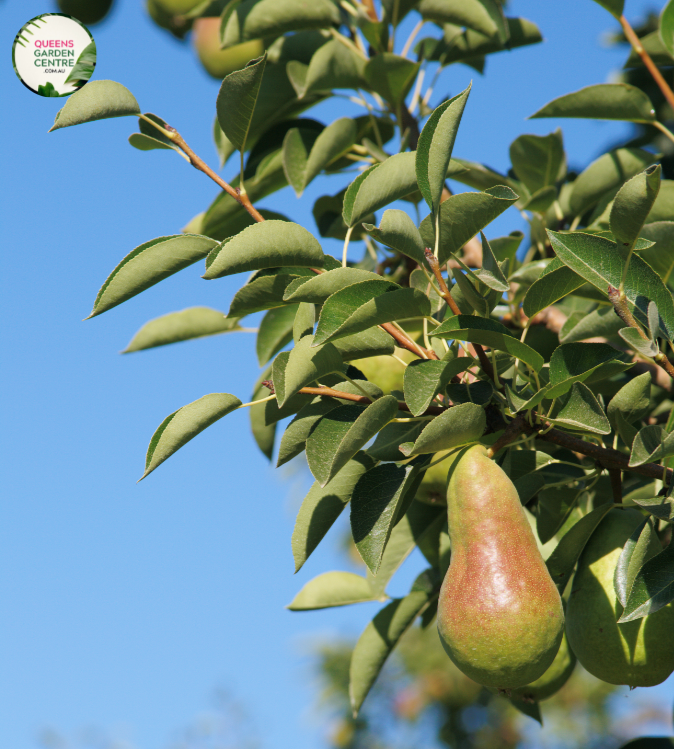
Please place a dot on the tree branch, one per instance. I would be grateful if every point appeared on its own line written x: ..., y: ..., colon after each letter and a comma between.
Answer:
x: 407, y: 343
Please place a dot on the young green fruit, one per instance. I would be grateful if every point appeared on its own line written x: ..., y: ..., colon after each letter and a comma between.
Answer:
x: 639, y: 653
x: 221, y: 62
x: 500, y: 616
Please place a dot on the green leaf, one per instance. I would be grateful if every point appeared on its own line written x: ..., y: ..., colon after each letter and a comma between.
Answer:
x: 661, y: 256
x: 458, y: 425
x: 265, y: 245
x: 632, y: 558
x: 264, y: 291
x: 334, y: 65
x: 651, y: 445
x: 391, y: 76
x: 462, y: 216
x: 398, y: 231
x: 605, y: 175
x: 263, y: 433
x: 339, y: 435
x: 653, y: 587
x: 322, y: 506
x: 377, y: 503
x: 488, y: 333
x: 84, y: 67
x: 666, y: 29
x: 305, y: 365
x: 552, y: 509
x: 380, y: 185
x: 491, y: 273
x: 603, y: 101
x: 318, y: 288
x: 483, y: 16
x: 149, y: 264
x: 425, y: 378
x: 386, y: 445
x: 276, y: 330
x: 554, y: 283
x: 367, y: 343
x: 304, y: 322
x: 602, y: 322
x: 645, y: 347
x: 182, y: 425
x: 435, y: 146
x: 365, y: 304
x: 660, y: 507
x: 194, y: 322
x: 480, y: 392
x: 632, y: 204
x: 563, y: 559
x: 632, y: 401
x: 236, y: 101
x: 601, y: 262
x: 578, y: 362
x: 614, y: 7
x: 538, y: 160
x: 98, y: 100
x: 582, y: 411
x: 380, y: 637
x: 296, y: 433
x: 332, y: 143
x: 663, y: 208
x: 333, y: 589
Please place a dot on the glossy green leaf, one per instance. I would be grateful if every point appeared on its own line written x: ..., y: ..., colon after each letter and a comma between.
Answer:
x: 459, y: 425
x: 148, y: 143
x: 603, y: 101
x: 276, y: 330
x: 256, y: 19
x: 666, y: 28
x: 194, y: 322
x: 653, y: 587
x: 577, y: 362
x: 651, y: 445
x: 380, y: 638
x: 632, y: 558
x: 554, y: 283
x: 334, y: 65
x: 462, y: 216
x: 538, y: 160
x: 377, y: 503
x: 306, y: 365
x: 98, y: 100
x: 182, y: 425
x: 318, y: 288
x: 366, y: 343
x: 632, y: 205
x: 391, y: 76
x: 661, y: 256
x: 425, y: 378
x: 265, y: 245
x: 262, y: 292
x: 605, y: 175
x: 602, y: 322
x: 322, y: 506
x: 304, y: 321
x: 236, y: 101
x: 435, y: 146
x: 582, y: 411
x: 491, y: 273
x: 480, y: 392
x: 148, y: 264
x: 398, y: 231
x: 387, y: 444
x: 663, y: 208
x: 483, y: 16
x: 339, y: 435
x: 563, y: 559
x: 488, y: 333
x: 632, y: 400
x: 601, y: 262
x: 660, y: 507
x: 296, y: 433
x: 333, y: 589
x: 365, y: 304
x: 380, y: 185
x: 334, y: 141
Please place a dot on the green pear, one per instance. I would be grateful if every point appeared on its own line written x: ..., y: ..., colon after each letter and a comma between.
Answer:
x: 500, y: 617
x: 639, y: 653
x: 552, y: 680
x: 221, y: 62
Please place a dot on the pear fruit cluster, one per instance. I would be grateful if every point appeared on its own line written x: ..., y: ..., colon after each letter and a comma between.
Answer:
x: 500, y: 616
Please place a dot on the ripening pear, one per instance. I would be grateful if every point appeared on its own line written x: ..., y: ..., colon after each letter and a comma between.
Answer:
x: 639, y: 653
x: 500, y: 617
x: 552, y: 680
x: 221, y: 62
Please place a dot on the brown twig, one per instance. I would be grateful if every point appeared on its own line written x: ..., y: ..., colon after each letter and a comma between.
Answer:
x: 619, y: 302
x: 634, y: 40
x: 616, y: 485
x: 330, y: 393
x: 446, y: 295
x: 407, y: 343
x: 511, y: 433
x: 241, y: 198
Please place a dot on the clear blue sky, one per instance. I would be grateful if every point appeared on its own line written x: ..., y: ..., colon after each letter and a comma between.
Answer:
x: 125, y: 606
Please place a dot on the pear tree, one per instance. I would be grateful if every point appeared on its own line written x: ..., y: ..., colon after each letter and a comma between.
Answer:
x: 502, y: 403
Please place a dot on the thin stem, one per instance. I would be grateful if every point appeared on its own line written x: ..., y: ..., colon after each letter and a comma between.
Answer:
x: 404, y: 341
x: 634, y: 40
x: 411, y: 38
x: 346, y: 245
x: 398, y: 359
x: 347, y: 43
x: 408, y: 419
x: 664, y: 130
x: 255, y: 403
x: 355, y: 384
x: 242, y: 187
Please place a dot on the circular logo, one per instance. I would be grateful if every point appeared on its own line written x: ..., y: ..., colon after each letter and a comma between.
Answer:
x: 54, y: 54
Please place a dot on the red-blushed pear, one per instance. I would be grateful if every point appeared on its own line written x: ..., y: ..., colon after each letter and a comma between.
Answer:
x: 639, y: 653
x: 500, y: 617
